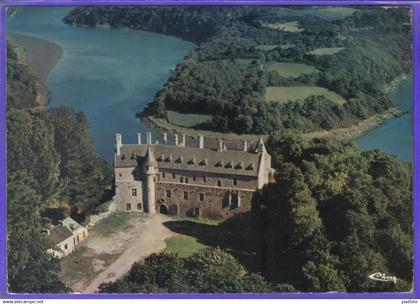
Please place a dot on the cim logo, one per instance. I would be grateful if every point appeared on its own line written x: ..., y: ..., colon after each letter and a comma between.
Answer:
x: 379, y: 276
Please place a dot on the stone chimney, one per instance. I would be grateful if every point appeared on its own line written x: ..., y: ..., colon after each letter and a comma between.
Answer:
x: 148, y: 138
x: 183, y: 140
x: 165, y: 138
x: 245, y: 145
x: 176, y: 139
x: 118, y: 143
x: 201, y: 141
x: 139, y: 138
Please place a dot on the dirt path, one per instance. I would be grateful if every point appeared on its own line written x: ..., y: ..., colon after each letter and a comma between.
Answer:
x: 151, y: 238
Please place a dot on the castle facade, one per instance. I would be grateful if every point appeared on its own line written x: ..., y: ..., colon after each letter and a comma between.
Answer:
x: 192, y: 180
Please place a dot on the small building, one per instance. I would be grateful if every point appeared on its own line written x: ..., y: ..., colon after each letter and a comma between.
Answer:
x: 196, y: 179
x: 66, y: 236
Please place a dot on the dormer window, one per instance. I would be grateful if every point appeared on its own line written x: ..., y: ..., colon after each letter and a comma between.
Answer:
x: 203, y: 162
x: 250, y: 167
x: 229, y: 165
x: 191, y: 161
x: 168, y: 159
x: 219, y: 164
x: 161, y: 158
x: 239, y: 166
x: 179, y: 160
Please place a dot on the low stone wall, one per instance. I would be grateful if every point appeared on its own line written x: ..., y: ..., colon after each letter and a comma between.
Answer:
x: 94, y: 219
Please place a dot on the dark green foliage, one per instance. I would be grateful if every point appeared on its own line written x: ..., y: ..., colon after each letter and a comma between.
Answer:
x: 30, y: 269
x: 210, y: 270
x: 215, y: 79
x: 21, y: 85
x: 335, y: 215
x: 50, y: 158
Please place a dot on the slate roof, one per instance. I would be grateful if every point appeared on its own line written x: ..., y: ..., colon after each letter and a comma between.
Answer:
x: 191, y: 159
x: 59, y: 234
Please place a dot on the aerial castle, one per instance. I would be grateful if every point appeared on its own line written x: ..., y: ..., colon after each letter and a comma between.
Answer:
x: 192, y: 180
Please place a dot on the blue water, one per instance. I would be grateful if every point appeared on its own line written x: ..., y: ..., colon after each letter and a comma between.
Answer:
x: 108, y: 74
x: 395, y: 136
x: 112, y: 74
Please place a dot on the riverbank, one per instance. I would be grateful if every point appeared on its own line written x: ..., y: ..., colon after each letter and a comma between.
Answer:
x: 342, y: 134
x: 41, y: 56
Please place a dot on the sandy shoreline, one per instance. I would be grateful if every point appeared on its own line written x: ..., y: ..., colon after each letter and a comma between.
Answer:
x: 341, y: 134
x: 42, y: 55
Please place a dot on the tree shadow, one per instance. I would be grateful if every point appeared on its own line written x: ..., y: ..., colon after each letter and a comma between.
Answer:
x: 237, y: 235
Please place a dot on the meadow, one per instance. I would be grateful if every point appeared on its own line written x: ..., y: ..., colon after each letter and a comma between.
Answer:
x: 325, y: 51
x: 187, y: 120
x: 287, y: 94
x: 287, y: 69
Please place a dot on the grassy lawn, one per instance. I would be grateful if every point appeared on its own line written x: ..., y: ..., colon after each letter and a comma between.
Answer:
x: 287, y: 69
x: 83, y: 263
x: 325, y: 51
x: 187, y: 120
x: 292, y: 26
x: 266, y: 47
x: 183, y: 245
x: 286, y: 94
x: 119, y: 221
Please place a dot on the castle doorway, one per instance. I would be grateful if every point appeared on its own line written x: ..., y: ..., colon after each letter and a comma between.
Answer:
x: 163, y: 209
x: 173, y: 210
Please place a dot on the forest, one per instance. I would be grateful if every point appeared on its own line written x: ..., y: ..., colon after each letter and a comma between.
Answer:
x: 226, y: 74
x: 52, y: 172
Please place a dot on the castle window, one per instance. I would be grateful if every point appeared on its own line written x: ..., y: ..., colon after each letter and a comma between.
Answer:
x: 201, y: 197
x: 235, y: 181
x: 74, y: 241
x: 77, y: 239
x: 65, y: 246
x: 236, y: 201
x: 186, y: 180
x: 168, y: 193
x: 181, y: 179
x: 204, y: 179
x: 194, y: 178
x: 219, y: 183
x: 173, y: 175
x: 163, y: 174
x: 134, y: 192
x: 139, y: 206
x: 185, y: 195
x: 128, y: 207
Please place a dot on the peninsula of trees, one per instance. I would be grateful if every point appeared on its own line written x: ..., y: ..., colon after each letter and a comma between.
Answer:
x: 265, y: 69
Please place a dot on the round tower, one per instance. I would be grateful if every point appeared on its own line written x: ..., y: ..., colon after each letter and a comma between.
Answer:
x: 149, y: 171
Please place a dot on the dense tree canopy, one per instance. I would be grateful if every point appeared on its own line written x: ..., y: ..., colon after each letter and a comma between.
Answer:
x: 50, y: 158
x: 225, y: 75
x: 335, y: 215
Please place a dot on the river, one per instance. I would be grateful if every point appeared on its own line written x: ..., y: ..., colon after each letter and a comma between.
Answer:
x: 108, y: 74
x: 112, y: 74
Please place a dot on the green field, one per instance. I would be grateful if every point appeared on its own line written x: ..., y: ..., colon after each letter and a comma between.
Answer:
x: 183, y: 245
x: 266, y: 47
x: 287, y: 69
x: 286, y: 94
x: 329, y: 13
x: 187, y: 120
x: 292, y: 26
x: 325, y: 51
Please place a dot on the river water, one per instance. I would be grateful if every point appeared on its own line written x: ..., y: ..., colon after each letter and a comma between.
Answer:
x: 112, y: 74
x: 108, y: 74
